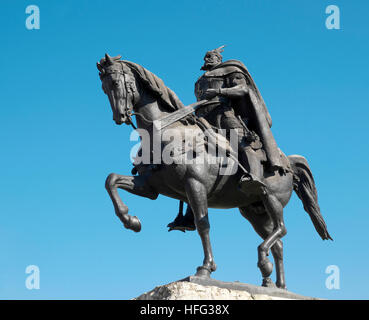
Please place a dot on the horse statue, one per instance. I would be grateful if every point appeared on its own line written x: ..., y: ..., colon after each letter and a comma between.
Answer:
x: 133, y: 90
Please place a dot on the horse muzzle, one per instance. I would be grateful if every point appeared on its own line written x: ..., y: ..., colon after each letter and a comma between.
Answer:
x: 120, y: 119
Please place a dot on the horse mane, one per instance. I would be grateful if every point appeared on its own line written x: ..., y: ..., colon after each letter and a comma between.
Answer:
x: 156, y: 85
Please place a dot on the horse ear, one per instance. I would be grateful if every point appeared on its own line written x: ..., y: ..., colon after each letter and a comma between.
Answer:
x: 99, y: 67
x: 108, y: 59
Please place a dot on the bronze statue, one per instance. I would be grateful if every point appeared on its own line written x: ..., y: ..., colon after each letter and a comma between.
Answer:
x: 260, y: 194
x: 243, y: 109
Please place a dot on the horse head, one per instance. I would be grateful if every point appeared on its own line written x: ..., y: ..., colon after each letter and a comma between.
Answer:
x: 119, y: 84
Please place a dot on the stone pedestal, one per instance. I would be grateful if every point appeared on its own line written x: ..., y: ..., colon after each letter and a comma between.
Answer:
x: 196, y: 288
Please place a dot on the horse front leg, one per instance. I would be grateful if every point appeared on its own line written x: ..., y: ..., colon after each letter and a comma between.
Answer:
x: 197, y: 198
x: 134, y: 184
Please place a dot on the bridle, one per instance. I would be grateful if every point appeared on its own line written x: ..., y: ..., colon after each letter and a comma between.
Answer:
x: 130, y: 90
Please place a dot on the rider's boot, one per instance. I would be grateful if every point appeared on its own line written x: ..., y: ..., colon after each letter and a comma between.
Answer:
x: 183, y: 222
x: 251, y: 182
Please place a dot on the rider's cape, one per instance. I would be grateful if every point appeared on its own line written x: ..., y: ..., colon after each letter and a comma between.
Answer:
x: 259, y: 118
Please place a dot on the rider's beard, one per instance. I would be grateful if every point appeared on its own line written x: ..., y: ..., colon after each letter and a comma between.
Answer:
x: 206, y: 66
x: 209, y: 65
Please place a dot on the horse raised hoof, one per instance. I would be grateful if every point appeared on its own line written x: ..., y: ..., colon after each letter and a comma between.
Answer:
x: 133, y: 223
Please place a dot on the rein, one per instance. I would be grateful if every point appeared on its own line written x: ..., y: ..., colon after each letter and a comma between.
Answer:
x: 128, y: 112
x: 142, y: 117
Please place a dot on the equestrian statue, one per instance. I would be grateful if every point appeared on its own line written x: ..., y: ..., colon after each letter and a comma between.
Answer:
x: 178, y: 155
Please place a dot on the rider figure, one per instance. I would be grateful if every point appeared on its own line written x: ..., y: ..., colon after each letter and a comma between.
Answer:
x: 241, y: 108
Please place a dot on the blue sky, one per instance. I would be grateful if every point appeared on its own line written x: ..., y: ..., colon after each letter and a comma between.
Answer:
x: 58, y: 142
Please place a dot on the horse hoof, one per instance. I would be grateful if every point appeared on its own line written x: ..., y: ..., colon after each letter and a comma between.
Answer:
x: 267, y: 282
x: 213, y: 267
x: 203, y: 272
x: 133, y: 224
x: 283, y: 287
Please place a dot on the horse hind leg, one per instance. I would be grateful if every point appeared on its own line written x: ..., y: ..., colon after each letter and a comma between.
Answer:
x: 275, y: 211
x: 133, y: 184
x: 277, y: 251
x: 264, y: 226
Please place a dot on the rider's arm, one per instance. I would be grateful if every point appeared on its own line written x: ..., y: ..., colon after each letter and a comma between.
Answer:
x: 234, y: 92
x: 238, y: 87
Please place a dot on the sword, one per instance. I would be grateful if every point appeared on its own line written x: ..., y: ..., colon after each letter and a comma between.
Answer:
x: 179, y: 114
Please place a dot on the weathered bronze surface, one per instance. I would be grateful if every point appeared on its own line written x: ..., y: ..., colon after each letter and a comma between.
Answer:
x: 262, y: 178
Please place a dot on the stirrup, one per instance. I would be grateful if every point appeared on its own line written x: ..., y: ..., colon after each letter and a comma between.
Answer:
x: 180, y: 223
x: 250, y: 185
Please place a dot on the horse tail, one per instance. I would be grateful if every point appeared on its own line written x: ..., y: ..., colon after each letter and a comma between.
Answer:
x: 304, y: 186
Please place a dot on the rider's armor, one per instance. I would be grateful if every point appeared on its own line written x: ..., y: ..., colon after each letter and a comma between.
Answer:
x: 224, y: 116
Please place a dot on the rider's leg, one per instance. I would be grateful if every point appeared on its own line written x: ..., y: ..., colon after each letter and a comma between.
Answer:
x: 254, y: 163
x: 251, y: 182
x: 251, y: 161
x: 248, y: 157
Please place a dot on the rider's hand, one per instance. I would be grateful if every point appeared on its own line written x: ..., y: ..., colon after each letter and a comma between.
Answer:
x: 211, y: 93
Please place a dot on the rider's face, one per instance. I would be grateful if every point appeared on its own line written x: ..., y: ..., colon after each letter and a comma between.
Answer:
x: 211, y: 60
